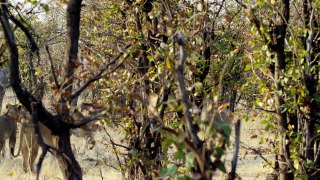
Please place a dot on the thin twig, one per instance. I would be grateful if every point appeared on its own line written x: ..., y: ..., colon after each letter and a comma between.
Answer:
x: 43, y: 145
x: 115, y: 151
x: 256, y: 152
x: 266, y: 110
x: 52, y: 68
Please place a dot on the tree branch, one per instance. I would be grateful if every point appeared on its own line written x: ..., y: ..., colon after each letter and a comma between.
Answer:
x: 114, y: 148
x: 191, y: 129
x: 52, y: 68
x: 45, y: 147
x: 99, y: 74
x: 241, y: 4
x: 84, y: 121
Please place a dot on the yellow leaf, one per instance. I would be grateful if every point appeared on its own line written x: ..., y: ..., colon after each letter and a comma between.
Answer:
x: 223, y: 106
x: 11, y: 173
x: 38, y: 73
x: 290, y: 127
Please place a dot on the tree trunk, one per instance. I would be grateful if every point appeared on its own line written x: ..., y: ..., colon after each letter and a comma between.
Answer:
x: 277, y: 36
x: 69, y: 166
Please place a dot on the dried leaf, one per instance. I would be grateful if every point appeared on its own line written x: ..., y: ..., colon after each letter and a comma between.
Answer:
x: 254, y: 136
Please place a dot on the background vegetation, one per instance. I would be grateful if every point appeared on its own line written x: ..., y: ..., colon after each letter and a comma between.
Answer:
x: 162, y: 71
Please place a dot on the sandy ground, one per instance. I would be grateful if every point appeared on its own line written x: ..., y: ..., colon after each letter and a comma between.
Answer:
x: 250, y: 166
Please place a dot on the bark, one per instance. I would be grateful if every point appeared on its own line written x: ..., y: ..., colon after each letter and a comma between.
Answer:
x: 71, y: 55
x: 277, y: 35
x: 311, y: 79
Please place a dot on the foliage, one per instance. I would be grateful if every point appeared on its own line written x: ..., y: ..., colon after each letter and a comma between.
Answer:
x: 171, y: 132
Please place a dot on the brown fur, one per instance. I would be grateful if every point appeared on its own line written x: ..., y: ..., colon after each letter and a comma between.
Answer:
x: 87, y: 130
x: 8, y: 130
x: 28, y: 143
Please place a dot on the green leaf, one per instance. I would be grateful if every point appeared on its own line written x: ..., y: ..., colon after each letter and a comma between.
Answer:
x: 172, y: 170
x: 248, y: 67
x: 222, y: 168
x: 225, y: 127
x: 317, y: 98
x: 183, y: 178
x: 163, y: 173
x: 33, y: 2
x: 190, y: 160
x: 45, y: 7
x: 219, y: 152
x: 179, y: 155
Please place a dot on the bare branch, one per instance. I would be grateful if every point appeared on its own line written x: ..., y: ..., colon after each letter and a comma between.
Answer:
x: 266, y: 110
x: 72, y: 40
x: 52, y: 68
x: 191, y: 129
x: 33, y: 46
x: 45, y: 147
x: 114, y: 148
x: 258, y: 152
x: 24, y: 96
x: 84, y: 121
